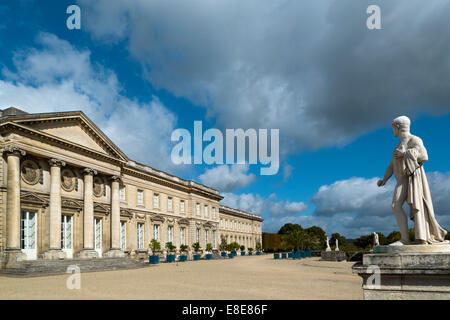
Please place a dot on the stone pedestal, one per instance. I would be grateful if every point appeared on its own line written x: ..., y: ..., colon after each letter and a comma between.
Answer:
x: 115, y: 253
x: 406, y: 272
x: 333, y: 256
x: 54, y: 254
x: 12, y: 257
x: 87, y: 254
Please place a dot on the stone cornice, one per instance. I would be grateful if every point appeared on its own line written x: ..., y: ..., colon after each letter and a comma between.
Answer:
x: 239, y: 213
x: 169, y: 183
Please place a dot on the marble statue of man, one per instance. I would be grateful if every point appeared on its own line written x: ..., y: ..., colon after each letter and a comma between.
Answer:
x: 412, y: 187
x: 337, y: 246
x: 328, y: 245
x: 376, y: 239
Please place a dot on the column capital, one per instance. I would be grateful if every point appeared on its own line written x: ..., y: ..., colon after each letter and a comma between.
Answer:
x: 90, y: 171
x: 115, y: 178
x: 56, y: 163
x: 13, y: 150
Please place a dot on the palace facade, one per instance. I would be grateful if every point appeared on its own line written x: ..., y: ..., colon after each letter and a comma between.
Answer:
x: 66, y: 191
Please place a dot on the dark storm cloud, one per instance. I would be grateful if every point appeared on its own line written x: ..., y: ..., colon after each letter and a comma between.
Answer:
x: 310, y: 68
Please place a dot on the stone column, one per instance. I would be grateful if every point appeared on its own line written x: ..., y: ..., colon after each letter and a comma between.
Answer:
x: 88, y: 251
x: 55, y: 211
x: 115, y: 250
x: 13, y: 252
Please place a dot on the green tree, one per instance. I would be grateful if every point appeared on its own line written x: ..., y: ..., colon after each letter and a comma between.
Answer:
x: 319, y: 235
x: 289, y: 227
x: 196, y: 246
x: 411, y: 234
x: 341, y: 239
x: 209, y: 247
x: 184, y: 247
x: 223, y: 244
x: 155, y: 245
x: 364, y: 242
x: 300, y: 239
x: 393, y: 237
x: 170, y: 246
x: 258, y: 246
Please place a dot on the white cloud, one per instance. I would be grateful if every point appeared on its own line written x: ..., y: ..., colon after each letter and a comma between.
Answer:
x: 353, y: 195
x: 59, y: 77
x: 227, y: 178
x: 259, y: 205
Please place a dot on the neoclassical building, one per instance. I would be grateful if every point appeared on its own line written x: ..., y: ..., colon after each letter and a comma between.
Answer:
x: 66, y: 191
x: 240, y: 226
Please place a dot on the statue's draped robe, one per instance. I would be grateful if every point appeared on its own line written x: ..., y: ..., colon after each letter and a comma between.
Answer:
x: 419, y: 199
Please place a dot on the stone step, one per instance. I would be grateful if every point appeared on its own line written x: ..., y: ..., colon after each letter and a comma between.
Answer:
x: 51, y: 267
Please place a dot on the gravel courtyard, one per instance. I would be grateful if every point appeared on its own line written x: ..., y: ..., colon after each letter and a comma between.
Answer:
x: 256, y: 277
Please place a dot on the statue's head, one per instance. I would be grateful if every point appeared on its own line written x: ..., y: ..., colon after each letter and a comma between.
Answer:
x: 401, y: 124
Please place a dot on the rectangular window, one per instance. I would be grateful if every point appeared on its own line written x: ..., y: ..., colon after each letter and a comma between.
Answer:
x: 66, y: 232
x: 169, y: 204
x: 214, y: 239
x: 206, y: 211
x: 140, y: 236
x: 198, y: 236
x: 155, y: 201
x: 140, y: 197
x: 156, y: 232
x: 182, y: 206
x: 122, y: 193
x: 182, y: 236
x: 213, y: 213
x: 169, y: 234
x: 198, y: 208
x: 123, y: 235
x: 206, y: 237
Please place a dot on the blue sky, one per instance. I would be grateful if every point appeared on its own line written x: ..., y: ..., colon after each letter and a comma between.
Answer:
x: 313, y: 71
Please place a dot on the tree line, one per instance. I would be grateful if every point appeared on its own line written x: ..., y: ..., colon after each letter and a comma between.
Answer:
x: 294, y: 237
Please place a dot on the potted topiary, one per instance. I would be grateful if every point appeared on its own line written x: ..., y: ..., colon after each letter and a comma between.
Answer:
x: 235, y: 246
x: 283, y: 254
x: 170, y: 252
x: 276, y: 254
x: 183, y: 250
x: 242, y: 250
x: 208, y: 255
x: 223, y: 247
x: 250, y: 251
x: 155, y: 246
x: 196, y: 247
x: 230, y: 248
x: 258, y: 248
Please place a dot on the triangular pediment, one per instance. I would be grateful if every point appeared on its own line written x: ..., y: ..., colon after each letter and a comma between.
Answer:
x: 33, y: 198
x: 73, y: 127
x: 101, y: 208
